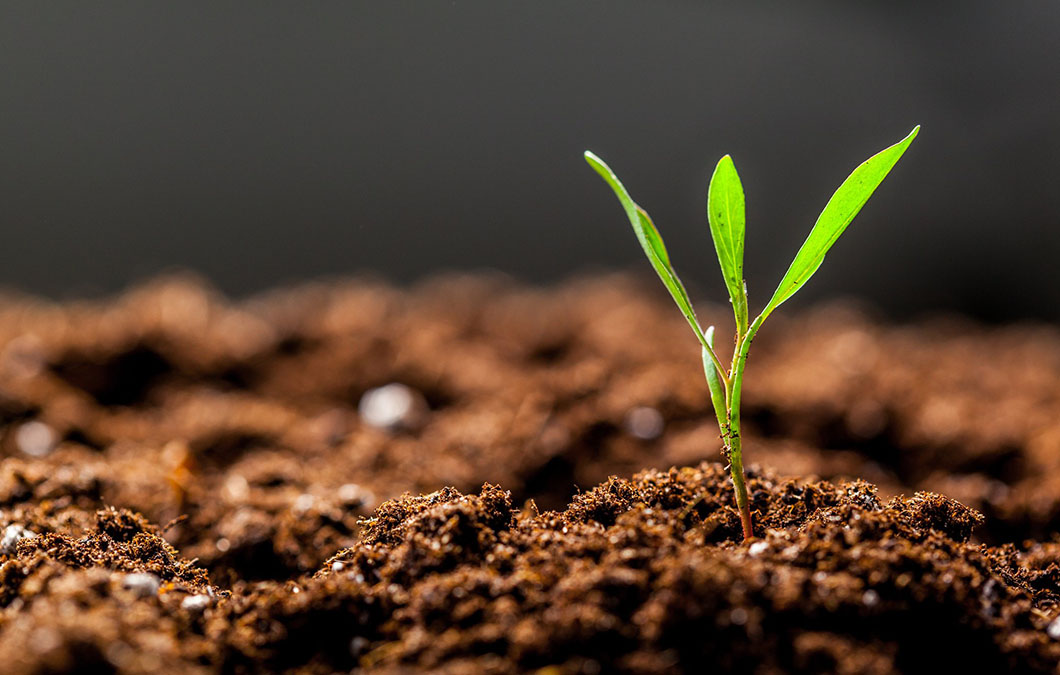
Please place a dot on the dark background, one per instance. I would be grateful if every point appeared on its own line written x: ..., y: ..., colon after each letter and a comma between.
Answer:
x: 263, y: 143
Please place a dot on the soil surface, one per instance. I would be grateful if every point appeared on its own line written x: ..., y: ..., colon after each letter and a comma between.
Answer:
x: 350, y: 476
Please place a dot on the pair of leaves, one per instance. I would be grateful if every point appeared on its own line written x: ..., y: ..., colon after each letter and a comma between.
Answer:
x: 726, y: 214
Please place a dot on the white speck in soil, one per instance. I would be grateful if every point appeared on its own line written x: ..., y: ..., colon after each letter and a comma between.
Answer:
x: 236, y: 487
x: 337, y: 566
x: 303, y: 503
x: 1053, y: 630
x: 870, y: 597
x: 12, y: 535
x: 758, y: 548
x: 738, y: 616
x: 392, y: 407
x: 36, y: 439
x: 43, y: 640
x: 195, y: 603
x: 355, y: 495
x: 358, y: 645
x: 142, y: 584
x: 644, y: 423
x: 223, y: 545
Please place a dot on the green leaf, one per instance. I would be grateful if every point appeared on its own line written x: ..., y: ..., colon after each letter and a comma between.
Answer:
x: 650, y: 241
x: 837, y: 215
x: 717, y: 391
x: 726, y: 215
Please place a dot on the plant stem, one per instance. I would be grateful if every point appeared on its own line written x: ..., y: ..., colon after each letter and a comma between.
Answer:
x: 739, y: 484
x: 731, y: 432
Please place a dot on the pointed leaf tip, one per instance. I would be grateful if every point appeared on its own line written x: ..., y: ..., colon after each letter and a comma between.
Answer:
x: 838, y: 213
x: 726, y: 216
x: 650, y: 240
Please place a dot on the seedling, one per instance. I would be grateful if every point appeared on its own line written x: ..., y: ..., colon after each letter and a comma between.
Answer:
x: 725, y: 213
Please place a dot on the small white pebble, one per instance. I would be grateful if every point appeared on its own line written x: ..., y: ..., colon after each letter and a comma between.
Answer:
x: 36, y: 439
x: 142, y: 584
x: 12, y: 535
x: 352, y: 493
x: 358, y: 645
x: 758, y: 548
x: 236, y: 487
x: 738, y: 616
x: 303, y: 503
x: 1053, y: 630
x: 870, y: 597
x: 391, y: 407
x: 644, y: 423
x: 337, y: 566
x: 195, y: 603
x: 44, y: 639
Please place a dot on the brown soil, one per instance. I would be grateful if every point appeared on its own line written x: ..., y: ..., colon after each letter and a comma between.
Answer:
x: 187, y: 485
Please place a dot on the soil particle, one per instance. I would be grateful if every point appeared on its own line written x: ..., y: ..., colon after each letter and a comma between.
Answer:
x: 12, y: 535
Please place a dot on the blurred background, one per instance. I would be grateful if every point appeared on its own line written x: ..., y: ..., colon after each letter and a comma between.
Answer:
x: 269, y: 143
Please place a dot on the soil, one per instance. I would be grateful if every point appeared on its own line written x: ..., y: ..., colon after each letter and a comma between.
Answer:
x: 188, y: 484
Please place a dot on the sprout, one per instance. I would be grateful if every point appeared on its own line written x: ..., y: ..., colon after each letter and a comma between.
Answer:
x: 725, y: 213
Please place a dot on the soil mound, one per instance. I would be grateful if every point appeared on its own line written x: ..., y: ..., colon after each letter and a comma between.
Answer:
x: 645, y: 575
x: 193, y: 484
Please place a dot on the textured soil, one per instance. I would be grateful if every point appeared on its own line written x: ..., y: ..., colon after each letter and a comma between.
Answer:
x: 189, y: 485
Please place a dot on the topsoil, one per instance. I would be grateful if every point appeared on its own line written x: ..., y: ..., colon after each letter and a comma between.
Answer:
x: 189, y: 485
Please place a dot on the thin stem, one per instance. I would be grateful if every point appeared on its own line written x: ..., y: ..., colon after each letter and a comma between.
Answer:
x: 739, y: 484
x: 732, y: 433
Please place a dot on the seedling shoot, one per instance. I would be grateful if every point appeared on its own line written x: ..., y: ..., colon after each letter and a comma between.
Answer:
x: 725, y: 213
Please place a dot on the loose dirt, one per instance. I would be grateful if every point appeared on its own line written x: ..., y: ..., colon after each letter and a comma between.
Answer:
x: 194, y: 485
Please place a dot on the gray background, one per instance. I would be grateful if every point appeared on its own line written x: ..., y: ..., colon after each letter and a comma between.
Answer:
x: 263, y: 143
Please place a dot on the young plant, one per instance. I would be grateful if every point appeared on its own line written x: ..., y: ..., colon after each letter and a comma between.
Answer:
x: 725, y: 213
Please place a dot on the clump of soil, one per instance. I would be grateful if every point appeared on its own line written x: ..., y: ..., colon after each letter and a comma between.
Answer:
x: 645, y: 575
x: 641, y: 576
x: 281, y: 540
